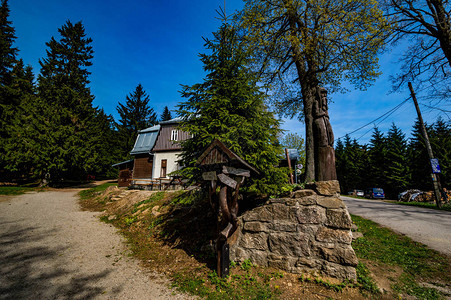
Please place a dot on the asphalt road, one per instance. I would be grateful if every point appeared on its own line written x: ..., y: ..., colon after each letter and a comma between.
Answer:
x: 428, y: 226
x: 50, y: 249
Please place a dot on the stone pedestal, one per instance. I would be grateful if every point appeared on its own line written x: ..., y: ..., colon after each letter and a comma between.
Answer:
x: 307, y: 233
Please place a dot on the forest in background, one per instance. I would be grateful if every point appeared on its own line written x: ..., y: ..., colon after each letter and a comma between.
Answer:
x: 393, y: 162
x: 49, y: 129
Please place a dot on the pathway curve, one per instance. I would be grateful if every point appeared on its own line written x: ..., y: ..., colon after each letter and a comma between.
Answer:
x: 50, y: 249
x: 428, y: 226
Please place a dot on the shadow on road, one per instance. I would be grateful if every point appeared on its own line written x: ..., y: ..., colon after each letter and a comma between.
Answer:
x: 31, y: 269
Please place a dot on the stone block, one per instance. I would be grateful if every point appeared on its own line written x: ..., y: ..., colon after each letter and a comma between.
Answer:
x: 339, y: 271
x: 257, y: 241
x: 258, y: 258
x: 330, y: 202
x: 330, y: 235
x: 311, y: 214
x: 303, y: 193
x: 308, y: 262
x: 339, y: 255
x: 255, y: 226
x: 309, y: 200
x: 328, y: 188
x: 289, y: 244
x: 338, y: 218
x: 283, y: 226
x: 262, y: 213
x: 282, y: 212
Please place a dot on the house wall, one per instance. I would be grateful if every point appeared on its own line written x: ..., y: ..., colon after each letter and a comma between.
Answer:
x: 171, y: 166
x: 143, y: 166
x: 164, y: 142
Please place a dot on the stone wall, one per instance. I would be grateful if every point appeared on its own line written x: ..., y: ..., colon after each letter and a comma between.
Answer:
x: 307, y: 233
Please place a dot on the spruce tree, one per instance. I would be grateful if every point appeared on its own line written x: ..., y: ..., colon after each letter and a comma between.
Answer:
x: 397, y: 172
x: 441, y: 145
x: 419, y: 165
x: 166, y: 115
x: 65, y: 106
x: 229, y: 106
x: 135, y: 115
x: 7, y: 61
x: 8, y: 53
x: 377, y: 162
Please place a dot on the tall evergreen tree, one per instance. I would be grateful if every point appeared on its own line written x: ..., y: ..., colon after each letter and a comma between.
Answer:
x: 8, y: 53
x: 166, y: 115
x: 135, y: 115
x: 377, y: 162
x: 419, y: 165
x: 7, y: 61
x: 441, y: 145
x: 229, y: 106
x: 65, y: 107
x: 397, y: 172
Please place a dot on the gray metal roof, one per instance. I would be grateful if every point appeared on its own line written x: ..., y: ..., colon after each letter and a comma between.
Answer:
x: 146, y: 140
x: 171, y: 121
x: 122, y: 163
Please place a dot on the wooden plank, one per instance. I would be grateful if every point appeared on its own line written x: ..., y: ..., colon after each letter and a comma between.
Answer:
x: 227, y: 180
x: 237, y: 172
x: 209, y: 175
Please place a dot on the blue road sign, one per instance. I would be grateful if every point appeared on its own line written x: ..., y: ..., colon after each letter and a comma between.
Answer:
x: 435, y: 166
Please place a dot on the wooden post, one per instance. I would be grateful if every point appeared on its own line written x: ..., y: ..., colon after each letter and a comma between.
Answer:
x: 289, y: 166
x: 435, y: 182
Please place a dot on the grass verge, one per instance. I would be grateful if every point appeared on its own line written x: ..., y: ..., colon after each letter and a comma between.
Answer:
x: 94, y: 191
x: 446, y: 207
x: 16, y: 190
x: 418, y: 263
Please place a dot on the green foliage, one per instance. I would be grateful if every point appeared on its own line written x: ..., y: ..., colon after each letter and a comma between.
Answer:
x: 15, y: 190
x: 298, y: 44
x: 366, y: 283
x: 229, y: 106
x: 135, y: 115
x: 166, y: 115
x: 397, y: 172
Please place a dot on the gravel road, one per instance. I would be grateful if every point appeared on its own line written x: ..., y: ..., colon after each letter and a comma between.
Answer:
x: 428, y: 226
x: 50, y: 249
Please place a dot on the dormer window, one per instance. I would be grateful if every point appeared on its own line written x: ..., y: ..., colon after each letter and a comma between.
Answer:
x: 174, y: 135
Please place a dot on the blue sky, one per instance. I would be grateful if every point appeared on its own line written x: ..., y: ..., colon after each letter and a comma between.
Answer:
x: 156, y: 43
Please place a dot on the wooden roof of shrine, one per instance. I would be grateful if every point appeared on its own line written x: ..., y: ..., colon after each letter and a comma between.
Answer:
x: 217, y: 153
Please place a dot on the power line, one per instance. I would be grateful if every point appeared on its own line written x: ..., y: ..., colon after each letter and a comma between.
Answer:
x: 386, y: 115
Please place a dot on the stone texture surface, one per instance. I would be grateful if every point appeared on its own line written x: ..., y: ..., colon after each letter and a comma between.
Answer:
x: 326, y: 188
x: 307, y: 233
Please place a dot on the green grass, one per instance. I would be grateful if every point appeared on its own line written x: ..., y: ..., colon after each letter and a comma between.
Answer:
x: 416, y: 260
x: 250, y: 285
x: 16, y: 190
x: 94, y: 191
x: 446, y: 207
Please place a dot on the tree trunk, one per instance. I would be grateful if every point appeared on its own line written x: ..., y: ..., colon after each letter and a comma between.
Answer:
x: 443, y: 27
x: 308, y: 96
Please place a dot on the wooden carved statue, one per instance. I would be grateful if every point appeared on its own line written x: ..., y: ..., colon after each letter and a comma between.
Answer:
x: 323, y: 138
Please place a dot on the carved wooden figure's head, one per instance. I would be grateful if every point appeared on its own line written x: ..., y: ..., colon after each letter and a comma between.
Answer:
x: 321, y: 94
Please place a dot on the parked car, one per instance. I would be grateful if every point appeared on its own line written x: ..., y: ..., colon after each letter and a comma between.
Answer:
x: 360, y: 193
x: 374, y: 193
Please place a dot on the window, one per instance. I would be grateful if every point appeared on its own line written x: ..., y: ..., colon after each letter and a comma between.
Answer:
x: 164, y: 163
x: 174, y: 135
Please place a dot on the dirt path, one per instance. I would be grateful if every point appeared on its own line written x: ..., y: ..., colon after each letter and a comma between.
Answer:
x: 50, y: 249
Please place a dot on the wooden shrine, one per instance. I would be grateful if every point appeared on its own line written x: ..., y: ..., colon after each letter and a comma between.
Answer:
x: 226, y: 171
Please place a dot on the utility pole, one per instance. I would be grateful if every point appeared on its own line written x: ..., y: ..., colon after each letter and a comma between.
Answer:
x: 435, y: 181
